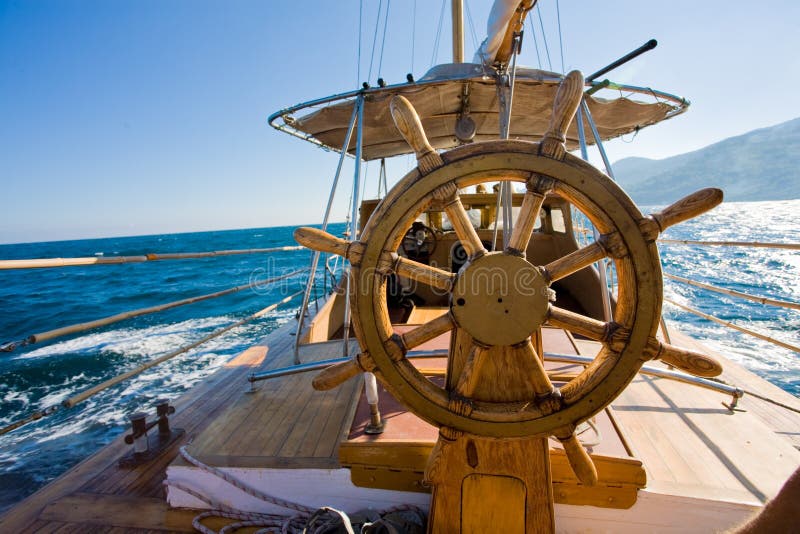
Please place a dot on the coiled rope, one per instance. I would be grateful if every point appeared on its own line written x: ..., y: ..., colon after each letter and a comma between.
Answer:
x: 304, y: 520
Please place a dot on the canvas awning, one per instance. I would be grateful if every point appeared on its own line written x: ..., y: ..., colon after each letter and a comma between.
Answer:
x: 437, y: 97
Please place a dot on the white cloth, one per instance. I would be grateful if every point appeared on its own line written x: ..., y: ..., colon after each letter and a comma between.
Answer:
x: 496, y: 27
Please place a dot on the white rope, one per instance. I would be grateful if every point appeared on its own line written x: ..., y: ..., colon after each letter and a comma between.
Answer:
x: 253, y: 492
x: 306, y: 520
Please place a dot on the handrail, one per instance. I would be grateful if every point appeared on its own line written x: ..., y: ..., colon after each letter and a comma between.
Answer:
x: 647, y: 370
x: 735, y: 326
x: 41, y: 263
x: 654, y: 371
x: 82, y: 327
x: 82, y: 396
x: 755, y: 244
x: 322, y: 364
x: 733, y: 293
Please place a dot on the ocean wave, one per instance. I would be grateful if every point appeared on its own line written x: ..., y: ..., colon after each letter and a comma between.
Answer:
x: 41, y: 375
x: 145, y: 341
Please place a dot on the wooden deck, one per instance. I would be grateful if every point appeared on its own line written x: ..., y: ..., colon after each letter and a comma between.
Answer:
x: 98, y: 496
x: 689, y: 443
x: 284, y: 423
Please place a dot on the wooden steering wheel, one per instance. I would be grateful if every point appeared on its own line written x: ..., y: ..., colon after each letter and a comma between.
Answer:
x: 496, y: 383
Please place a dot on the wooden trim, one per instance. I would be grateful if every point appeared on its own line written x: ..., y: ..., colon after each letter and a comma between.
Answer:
x: 400, y: 465
x: 119, y: 511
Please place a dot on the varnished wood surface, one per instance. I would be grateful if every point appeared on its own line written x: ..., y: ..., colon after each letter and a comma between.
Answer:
x: 689, y: 443
x: 285, y: 422
x: 692, y: 445
x: 87, y: 497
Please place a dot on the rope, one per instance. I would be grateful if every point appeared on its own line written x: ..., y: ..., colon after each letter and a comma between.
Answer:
x: 475, y: 43
x: 305, y: 520
x: 733, y: 293
x: 438, y: 35
x: 544, y: 38
x: 755, y: 244
x: 80, y: 397
x: 383, y: 39
x: 374, y: 40
x: 535, y: 42
x: 360, y: 38
x: 82, y: 327
x: 413, y: 34
x: 735, y: 327
x: 40, y: 263
x: 249, y: 490
x: 771, y: 401
x: 560, y: 39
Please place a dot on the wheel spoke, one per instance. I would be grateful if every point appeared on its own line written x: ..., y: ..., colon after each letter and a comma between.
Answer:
x: 419, y: 272
x: 580, y: 461
x: 574, y: 261
x: 470, y: 373
x: 539, y: 379
x: 316, y: 239
x: 426, y: 332
x: 578, y: 324
x: 523, y: 227
x: 459, y: 218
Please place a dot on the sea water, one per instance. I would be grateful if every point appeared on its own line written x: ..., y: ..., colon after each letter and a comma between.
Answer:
x: 42, y: 375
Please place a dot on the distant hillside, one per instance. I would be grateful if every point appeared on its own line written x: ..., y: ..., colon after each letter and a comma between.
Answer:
x: 760, y: 165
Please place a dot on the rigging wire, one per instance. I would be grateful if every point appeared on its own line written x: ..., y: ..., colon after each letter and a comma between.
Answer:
x: 85, y: 394
x: 374, y: 40
x: 544, y: 37
x: 413, y: 34
x: 360, y: 38
x: 535, y: 42
x: 363, y: 192
x: 560, y: 39
x: 383, y: 40
x: 438, y: 35
x: 97, y: 323
x: 471, y: 26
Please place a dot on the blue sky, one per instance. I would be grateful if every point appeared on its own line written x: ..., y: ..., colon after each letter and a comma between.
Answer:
x: 126, y: 118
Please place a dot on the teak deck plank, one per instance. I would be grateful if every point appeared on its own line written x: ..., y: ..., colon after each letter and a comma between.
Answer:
x: 99, y: 473
x: 714, y: 458
x: 118, y: 511
x: 264, y: 425
x: 96, y: 495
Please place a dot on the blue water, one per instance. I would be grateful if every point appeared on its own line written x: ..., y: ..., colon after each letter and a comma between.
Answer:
x: 42, y: 375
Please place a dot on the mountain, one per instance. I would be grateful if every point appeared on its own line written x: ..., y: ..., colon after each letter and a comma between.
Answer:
x: 760, y: 165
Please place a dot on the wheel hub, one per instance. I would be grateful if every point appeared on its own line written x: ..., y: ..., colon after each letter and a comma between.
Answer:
x: 499, y: 299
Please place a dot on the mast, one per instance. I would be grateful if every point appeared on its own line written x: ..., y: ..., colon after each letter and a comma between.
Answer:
x: 458, y: 30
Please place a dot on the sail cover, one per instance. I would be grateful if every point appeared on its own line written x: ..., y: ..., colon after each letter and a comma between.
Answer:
x: 438, y: 98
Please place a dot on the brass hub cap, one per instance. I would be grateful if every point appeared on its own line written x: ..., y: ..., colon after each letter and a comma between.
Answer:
x: 499, y: 299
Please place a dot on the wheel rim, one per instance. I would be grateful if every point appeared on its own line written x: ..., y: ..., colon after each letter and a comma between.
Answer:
x: 636, y: 315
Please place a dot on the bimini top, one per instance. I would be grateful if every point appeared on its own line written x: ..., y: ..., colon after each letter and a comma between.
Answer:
x: 448, y: 91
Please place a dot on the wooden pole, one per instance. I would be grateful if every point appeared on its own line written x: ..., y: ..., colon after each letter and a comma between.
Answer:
x: 81, y: 327
x: 113, y: 260
x: 729, y: 324
x: 82, y: 396
x: 75, y: 399
x: 754, y: 244
x: 732, y: 293
x: 458, y: 30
